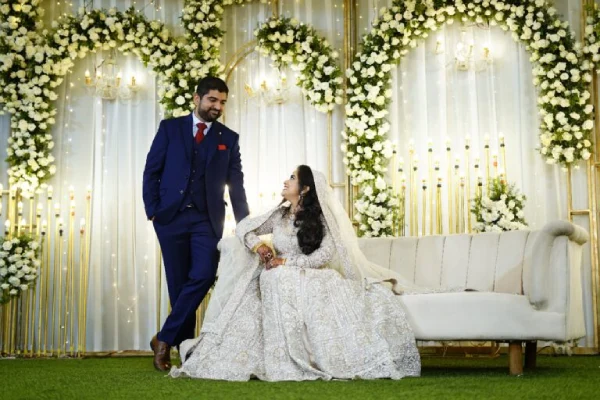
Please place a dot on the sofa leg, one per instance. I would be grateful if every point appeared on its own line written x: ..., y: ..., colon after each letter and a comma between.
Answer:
x: 530, y: 354
x: 515, y: 358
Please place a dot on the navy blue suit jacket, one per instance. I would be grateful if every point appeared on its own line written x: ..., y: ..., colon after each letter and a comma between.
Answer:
x: 168, y: 169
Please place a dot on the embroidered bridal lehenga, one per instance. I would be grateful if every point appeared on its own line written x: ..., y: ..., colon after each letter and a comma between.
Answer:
x: 327, y: 315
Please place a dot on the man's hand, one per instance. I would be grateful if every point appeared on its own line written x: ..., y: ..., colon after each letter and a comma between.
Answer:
x: 265, y: 253
x: 275, y: 262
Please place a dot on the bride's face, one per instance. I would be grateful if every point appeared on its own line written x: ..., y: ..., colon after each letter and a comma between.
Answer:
x: 291, y: 187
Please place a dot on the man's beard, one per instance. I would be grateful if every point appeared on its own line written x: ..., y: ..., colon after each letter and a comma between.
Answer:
x: 208, y: 115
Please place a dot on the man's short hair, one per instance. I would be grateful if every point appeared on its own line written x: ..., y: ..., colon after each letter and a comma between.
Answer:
x: 209, y: 83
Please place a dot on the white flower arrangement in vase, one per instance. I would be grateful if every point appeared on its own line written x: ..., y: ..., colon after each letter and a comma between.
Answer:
x: 500, y: 209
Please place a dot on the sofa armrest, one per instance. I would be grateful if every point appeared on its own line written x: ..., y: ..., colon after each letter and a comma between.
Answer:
x: 555, y: 271
x: 575, y: 233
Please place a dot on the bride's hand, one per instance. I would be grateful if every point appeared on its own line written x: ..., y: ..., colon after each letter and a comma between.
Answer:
x: 265, y: 253
x: 275, y: 262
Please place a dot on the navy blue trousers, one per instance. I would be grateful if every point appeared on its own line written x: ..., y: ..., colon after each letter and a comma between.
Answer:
x: 189, y: 249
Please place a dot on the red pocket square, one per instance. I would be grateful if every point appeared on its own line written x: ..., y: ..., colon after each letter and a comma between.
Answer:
x: 222, y: 147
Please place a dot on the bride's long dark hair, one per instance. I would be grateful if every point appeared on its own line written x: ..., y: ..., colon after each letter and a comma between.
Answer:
x: 308, y: 217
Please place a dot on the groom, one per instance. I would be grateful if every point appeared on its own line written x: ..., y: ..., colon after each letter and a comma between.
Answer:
x: 190, y: 161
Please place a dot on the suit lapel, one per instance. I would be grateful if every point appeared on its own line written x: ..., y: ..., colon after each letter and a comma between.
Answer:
x: 213, y: 139
x: 188, y: 139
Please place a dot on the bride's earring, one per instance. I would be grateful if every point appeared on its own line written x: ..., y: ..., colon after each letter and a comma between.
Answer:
x: 301, y: 199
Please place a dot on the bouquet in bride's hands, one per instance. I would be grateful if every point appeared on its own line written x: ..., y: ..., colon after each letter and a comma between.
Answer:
x: 499, y: 209
x: 19, y: 265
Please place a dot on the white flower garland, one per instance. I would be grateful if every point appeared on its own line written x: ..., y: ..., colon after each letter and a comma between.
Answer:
x: 559, y: 73
x: 592, y: 35
x: 128, y: 31
x: 34, y: 62
x: 27, y: 87
x: 202, y: 22
x: 289, y: 42
x: 19, y: 266
x: 501, y: 209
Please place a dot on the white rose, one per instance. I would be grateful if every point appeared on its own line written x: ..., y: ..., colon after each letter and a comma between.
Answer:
x: 585, y: 154
x: 380, y: 183
x: 328, y: 70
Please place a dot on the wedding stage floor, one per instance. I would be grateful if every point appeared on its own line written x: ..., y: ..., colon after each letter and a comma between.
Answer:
x: 442, y: 378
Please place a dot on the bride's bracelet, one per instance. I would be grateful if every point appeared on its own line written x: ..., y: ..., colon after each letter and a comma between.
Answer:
x: 255, y: 248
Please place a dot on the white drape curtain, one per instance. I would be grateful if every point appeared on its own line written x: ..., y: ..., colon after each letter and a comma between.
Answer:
x: 104, y: 144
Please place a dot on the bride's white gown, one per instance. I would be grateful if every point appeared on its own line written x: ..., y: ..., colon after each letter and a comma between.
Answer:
x: 303, y: 321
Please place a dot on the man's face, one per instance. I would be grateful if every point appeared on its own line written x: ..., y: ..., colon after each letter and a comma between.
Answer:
x: 211, y: 106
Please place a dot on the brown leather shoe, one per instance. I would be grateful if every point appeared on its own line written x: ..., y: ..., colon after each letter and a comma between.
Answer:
x: 162, y: 354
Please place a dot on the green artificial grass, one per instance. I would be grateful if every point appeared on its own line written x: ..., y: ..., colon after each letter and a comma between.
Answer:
x: 554, y: 378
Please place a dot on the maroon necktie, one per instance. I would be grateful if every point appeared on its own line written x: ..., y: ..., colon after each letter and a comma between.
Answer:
x: 200, y: 132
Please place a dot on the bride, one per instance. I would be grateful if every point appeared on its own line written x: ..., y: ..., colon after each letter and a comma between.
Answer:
x: 312, y: 308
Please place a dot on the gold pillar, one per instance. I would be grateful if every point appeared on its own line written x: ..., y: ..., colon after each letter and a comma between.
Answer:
x: 593, y: 186
x: 350, y: 43
x: 80, y: 320
x: 593, y: 182
x: 86, y: 270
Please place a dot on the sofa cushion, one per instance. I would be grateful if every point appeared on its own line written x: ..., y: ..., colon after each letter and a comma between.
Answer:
x: 377, y: 250
x: 480, y: 316
x: 484, y: 262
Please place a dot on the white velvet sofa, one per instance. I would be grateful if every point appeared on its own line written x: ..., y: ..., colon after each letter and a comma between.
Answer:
x: 528, y: 285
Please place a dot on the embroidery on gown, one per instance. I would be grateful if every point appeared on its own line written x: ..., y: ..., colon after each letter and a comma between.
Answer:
x: 300, y: 321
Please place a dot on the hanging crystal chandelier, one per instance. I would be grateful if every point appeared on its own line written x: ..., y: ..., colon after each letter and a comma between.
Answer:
x: 108, y: 84
x: 275, y: 93
x: 465, y: 55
